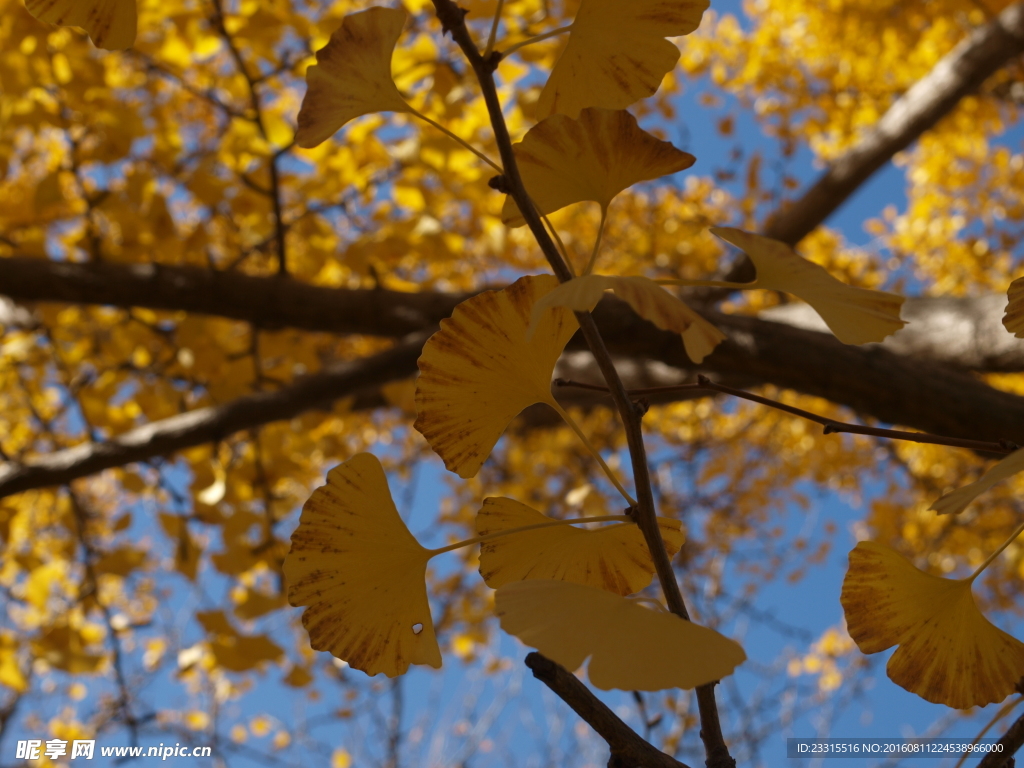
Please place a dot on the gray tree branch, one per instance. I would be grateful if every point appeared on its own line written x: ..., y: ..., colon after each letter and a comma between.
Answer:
x: 966, y: 333
x: 960, y: 73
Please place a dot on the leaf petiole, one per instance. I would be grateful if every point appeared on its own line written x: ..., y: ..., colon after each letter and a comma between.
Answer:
x: 597, y: 242
x: 535, y: 39
x: 457, y: 138
x: 510, y: 531
x: 704, y: 283
x: 593, y: 451
x: 988, y: 560
x: 494, y: 29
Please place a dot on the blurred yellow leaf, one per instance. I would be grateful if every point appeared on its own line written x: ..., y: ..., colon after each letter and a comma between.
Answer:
x: 352, y: 76
x: 854, y: 315
x: 948, y: 653
x: 632, y: 647
x: 1013, y: 320
x: 479, y: 371
x: 957, y: 501
x: 110, y: 23
x: 362, y: 574
x: 617, y: 53
x: 564, y: 160
x: 647, y: 298
x: 614, y: 558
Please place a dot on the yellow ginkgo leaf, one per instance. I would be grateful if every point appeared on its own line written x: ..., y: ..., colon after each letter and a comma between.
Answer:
x: 362, y: 574
x: 632, y: 647
x: 479, y: 371
x: 617, y: 53
x: 956, y: 501
x: 948, y: 653
x: 854, y: 315
x: 614, y: 558
x: 352, y: 76
x: 1013, y: 320
x: 110, y: 23
x: 564, y: 161
x: 647, y: 298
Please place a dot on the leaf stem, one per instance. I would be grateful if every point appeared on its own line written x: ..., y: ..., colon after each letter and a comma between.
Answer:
x: 535, y: 526
x: 597, y: 241
x: 704, y: 283
x: 535, y: 39
x: 988, y: 560
x: 494, y: 28
x: 561, y: 245
x: 457, y: 138
x: 593, y: 451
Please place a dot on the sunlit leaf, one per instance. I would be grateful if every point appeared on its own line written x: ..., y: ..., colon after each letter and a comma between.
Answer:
x: 854, y: 315
x: 647, y: 298
x: 362, y: 574
x: 1013, y: 320
x: 617, y: 53
x: 479, y: 371
x: 613, y: 558
x: 110, y: 23
x: 957, y: 501
x: 564, y: 160
x: 632, y: 647
x: 948, y: 653
x: 352, y: 76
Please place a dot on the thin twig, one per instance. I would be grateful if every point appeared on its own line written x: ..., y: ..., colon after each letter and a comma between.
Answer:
x: 452, y: 20
x: 831, y: 425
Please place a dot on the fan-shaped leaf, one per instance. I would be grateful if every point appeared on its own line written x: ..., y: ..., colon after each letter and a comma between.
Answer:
x: 352, y: 76
x: 956, y: 501
x: 948, y: 653
x: 362, y: 574
x: 632, y: 647
x: 479, y: 371
x: 647, y: 298
x: 110, y: 23
x: 854, y: 315
x: 617, y: 53
x: 564, y: 161
x: 614, y: 558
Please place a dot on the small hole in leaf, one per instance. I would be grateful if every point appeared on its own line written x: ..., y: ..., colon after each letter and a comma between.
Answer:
x: 417, y: 628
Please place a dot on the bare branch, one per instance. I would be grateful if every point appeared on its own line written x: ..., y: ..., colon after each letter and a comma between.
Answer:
x: 628, y: 749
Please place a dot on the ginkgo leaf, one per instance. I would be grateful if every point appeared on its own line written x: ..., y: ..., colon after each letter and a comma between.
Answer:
x: 110, y: 23
x: 564, y: 161
x: 614, y: 558
x: 352, y: 76
x: 362, y: 574
x: 1013, y: 320
x: 956, y: 501
x: 632, y: 647
x: 617, y: 53
x: 647, y: 298
x: 948, y: 653
x: 854, y: 315
x: 479, y: 371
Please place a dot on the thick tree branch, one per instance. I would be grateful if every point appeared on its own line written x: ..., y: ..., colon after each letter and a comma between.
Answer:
x: 628, y: 749
x: 204, y: 425
x: 959, y: 73
x: 961, y: 332
x: 871, y: 381
x: 1011, y: 741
